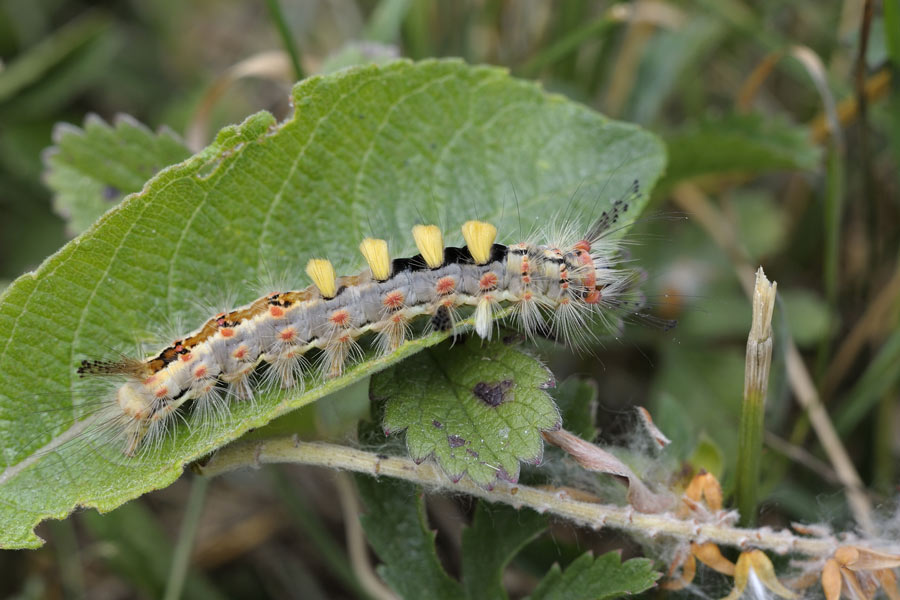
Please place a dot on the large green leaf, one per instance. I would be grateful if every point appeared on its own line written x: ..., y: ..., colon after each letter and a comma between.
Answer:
x: 397, y: 528
x: 497, y: 534
x: 367, y: 150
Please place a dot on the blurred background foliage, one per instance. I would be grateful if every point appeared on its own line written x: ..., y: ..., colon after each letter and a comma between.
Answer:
x: 783, y: 126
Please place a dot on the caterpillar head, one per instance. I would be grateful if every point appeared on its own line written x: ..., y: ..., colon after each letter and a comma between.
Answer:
x: 136, y: 402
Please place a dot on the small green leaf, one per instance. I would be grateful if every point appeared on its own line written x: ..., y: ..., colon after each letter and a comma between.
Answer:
x: 605, y: 577
x: 479, y: 409
x: 397, y: 529
x: 92, y: 169
x: 739, y: 143
x: 577, y: 402
x: 497, y: 534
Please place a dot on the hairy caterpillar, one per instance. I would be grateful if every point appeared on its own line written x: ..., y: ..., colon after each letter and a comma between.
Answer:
x: 551, y: 288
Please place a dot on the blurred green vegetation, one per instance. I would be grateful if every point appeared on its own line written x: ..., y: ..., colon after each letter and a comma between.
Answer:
x: 743, y: 93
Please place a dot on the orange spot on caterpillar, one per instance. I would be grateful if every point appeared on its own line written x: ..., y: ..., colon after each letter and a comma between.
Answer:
x: 341, y: 318
x: 593, y: 297
x: 397, y: 318
x: 188, y: 357
x: 227, y: 332
x: 393, y: 300
x: 527, y: 296
x: 526, y: 279
x: 287, y: 334
x: 276, y: 311
x: 564, y: 286
x: 162, y: 392
x: 488, y: 281
x: 200, y: 372
x: 584, y: 258
x: 449, y: 303
x: 240, y: 352
x: 150, y: 380
x: 445, y: 285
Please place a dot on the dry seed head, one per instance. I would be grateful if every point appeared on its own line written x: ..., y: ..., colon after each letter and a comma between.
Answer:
x: 759, y: 343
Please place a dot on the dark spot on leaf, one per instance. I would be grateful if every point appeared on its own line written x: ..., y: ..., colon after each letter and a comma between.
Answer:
x: 418, y: 459
x: 437, y: 424
x: 493, y: 394
x: 502, y: 474
x: 455, y: 441
x: 471, y: 453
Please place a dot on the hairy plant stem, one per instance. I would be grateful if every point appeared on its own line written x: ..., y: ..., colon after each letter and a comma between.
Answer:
x: 555, y: 501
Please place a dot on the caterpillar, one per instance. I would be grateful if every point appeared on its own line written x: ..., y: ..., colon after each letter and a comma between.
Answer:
x: 550, y: 288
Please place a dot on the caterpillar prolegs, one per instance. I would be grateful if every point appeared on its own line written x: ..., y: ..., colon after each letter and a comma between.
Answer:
x: 552, y: 288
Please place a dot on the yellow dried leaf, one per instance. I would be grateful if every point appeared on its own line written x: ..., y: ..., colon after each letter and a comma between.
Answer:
x: 889, y: 583
x: 710, y: 555
x: 831, y: 580
x: 741, y: 576
x: 688, y: 572
x: 853, y: 584
x: 705, y: 485
x: 863, y: 559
